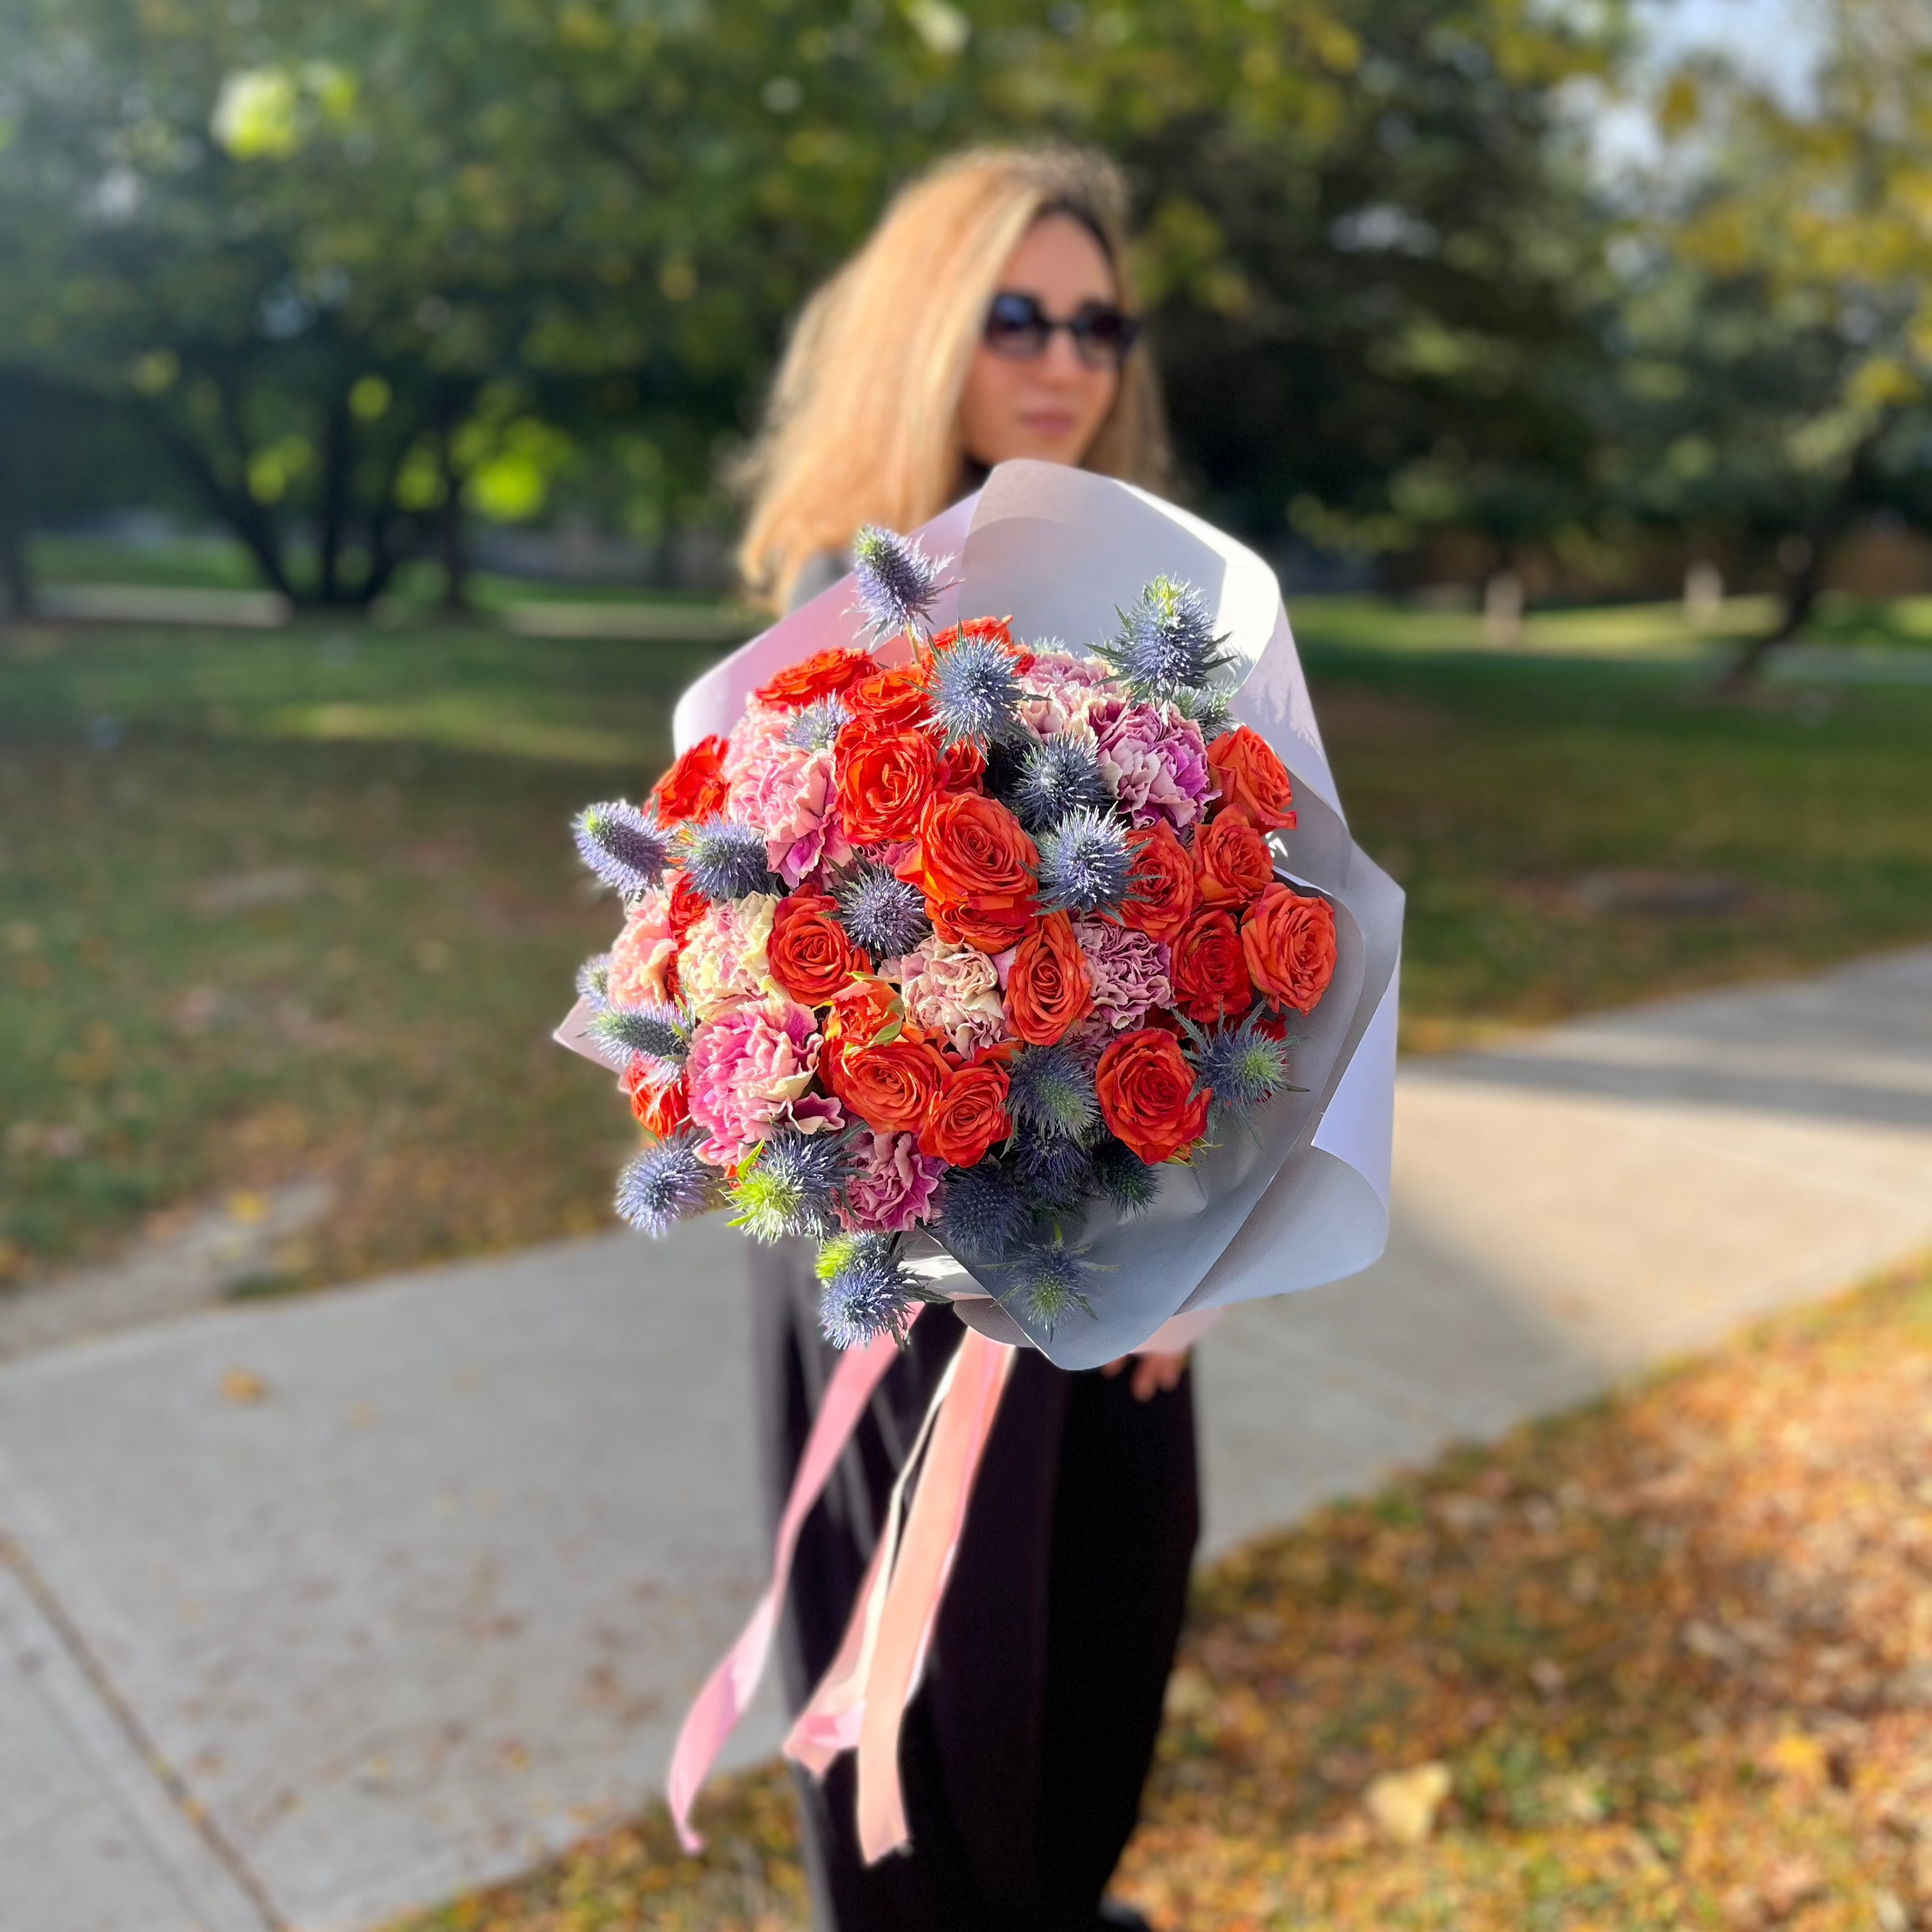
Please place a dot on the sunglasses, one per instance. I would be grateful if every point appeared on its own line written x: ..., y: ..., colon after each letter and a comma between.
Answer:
x: 1019, y: 329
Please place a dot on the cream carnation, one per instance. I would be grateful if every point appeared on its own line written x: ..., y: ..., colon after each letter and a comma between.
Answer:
x: 724, y: 955
x: 1058, y: 692
x: 952, y: 993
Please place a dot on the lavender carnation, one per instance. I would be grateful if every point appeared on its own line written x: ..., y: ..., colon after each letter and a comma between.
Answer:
x: 1156, y: 761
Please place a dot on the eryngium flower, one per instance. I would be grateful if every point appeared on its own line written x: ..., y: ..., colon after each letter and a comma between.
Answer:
x: 881, y: 912
x: 897, y: 581
x: 663, y: 1184
x: 1212, y: 709
x: 1061, y: 776
x: 985, y: 1212
x: 660, y: 1035
x: 1239, y: 1066
x: 1055, y: 1170
x: 1123, y: 1177
x: 593, y: 980
x: 786, y: 1187
x: 865, y: 1293
x: 1051, y: 1088
x: 813, y: 728
x: 974, y: 692
x: 1086, y: 864
x: 725, y: 860
x: 1166, y: 644
x: 627, y: 849
x: 1049, y: 1281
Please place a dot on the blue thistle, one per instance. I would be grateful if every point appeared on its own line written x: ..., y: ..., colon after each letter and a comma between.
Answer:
x: 985, y: 1212
x: 593, y: 980
x: 864, y: 1292
x: 627, y: 849
x: 815, y: 728
x: 897, y: 581
x: 1061, y: 776
x: 726, y: 860
x: 1052, y: 1088
x: 1166, y: 644
x: 1055, y: 1170
x: 881, y: 912
x: 1086, y: 864
x: 787, y: 1185
x: 1240, y: 1066
x: 1050, y: 1281
x: 663, y: 1184
x: 660, y: 1035
x: 974, y: 692
x: 1123, y: 1177
x: 1212, y: 709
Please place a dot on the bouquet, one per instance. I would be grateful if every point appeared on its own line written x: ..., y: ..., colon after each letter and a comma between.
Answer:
x: 996, y: 927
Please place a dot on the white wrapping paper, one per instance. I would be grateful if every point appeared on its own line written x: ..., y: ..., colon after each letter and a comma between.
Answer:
x: 1302, y: 1198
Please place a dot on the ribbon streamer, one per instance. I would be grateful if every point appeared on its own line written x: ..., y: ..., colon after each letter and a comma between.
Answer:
x: 728, y: 1691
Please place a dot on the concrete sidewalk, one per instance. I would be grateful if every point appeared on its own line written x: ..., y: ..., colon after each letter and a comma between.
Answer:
x: 311, y: 1612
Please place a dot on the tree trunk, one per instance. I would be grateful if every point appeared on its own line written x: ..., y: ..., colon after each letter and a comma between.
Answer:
x: 338, y: 457
x: 452, y: 551
x: 1802, y: 588
x: 245, y: 517
x: 15, y: 570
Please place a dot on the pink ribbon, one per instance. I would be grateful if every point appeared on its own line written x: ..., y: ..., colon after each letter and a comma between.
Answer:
x: 728, y: 1691
x: 861, y: 1699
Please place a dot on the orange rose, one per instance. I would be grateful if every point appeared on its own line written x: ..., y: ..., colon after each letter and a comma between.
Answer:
x: 811, y: 956
x: 1232, y: 864
x: 967, y: 1116
x: 662, y: 1108
x: 962, y: 766
x: 688, y: 906
x: 1144, y: 1086
x: 889, y: 1087
x: 975, y: 865
x: 1049, y: 988
x: 1252, y: 777
x: 1288, y: 942
x: 884, y: 778
x: 989, y: 630
x: 1162, y: 884
x: 818, y: 677
x: 895, y: 697
x: 1209, y: 973
x: 695, y: 787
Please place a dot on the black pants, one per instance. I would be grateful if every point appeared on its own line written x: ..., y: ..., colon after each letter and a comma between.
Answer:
x: 1024, y: 1754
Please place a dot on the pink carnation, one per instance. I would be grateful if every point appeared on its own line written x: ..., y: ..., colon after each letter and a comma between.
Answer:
x: 1059, y: 692
x: 747, y: 1062
x: 644, y: 953
x: 1155, y: 759
x: 1128, y: 971
x: 893, y: 1187
x: 951, y: 992
x: 786, y: 790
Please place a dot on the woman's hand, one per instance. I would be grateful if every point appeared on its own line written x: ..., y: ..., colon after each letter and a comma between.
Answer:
x: 1152, y: 1373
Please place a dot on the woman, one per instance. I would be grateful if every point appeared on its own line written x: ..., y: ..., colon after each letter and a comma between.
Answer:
x: 989, y: 317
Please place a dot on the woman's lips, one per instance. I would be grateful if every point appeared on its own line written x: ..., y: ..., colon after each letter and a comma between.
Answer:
x: 1054, y: 424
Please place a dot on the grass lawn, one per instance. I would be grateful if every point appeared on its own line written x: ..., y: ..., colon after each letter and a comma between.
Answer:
x: 303, y: 902
x: 1667, y: 1660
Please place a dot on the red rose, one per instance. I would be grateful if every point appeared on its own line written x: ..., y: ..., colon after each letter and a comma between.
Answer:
x: 811, y: 956
x: 688, y: 906
x: 1252, y: 777
x: 975, y: 865
x: 1161, y: 885
x: 884, y: 778
x: 695, y: 787
x: 1288, y: 942
x: 1049, y: 988
x: 967, y: 1116
x: 962, y: 766
x: 889, y: 1087
x: 662, y: 1107
x: 1208, y: 971
x: 1144, y: 1086
x: 894, y: 697
x: 818, y: 677
x: 1232, y: 864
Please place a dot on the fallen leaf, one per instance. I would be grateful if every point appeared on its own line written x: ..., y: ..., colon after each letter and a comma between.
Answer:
x: 1403, y: 1803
